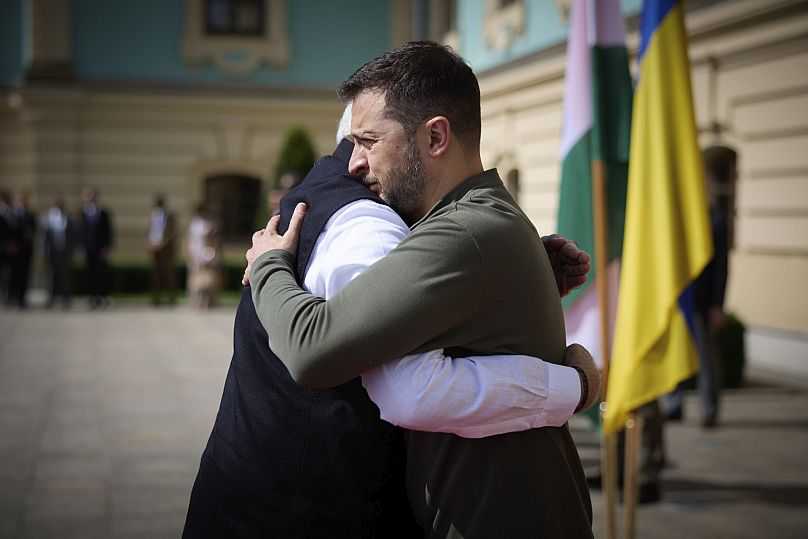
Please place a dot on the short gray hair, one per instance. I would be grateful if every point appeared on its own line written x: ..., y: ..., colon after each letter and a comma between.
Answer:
x: 344, y: 129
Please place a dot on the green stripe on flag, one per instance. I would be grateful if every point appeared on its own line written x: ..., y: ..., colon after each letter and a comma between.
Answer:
x: 612, y: 91
x: 608, y: 141
x: 575, y: 205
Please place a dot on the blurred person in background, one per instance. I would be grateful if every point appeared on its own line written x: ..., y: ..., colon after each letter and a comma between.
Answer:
x: 97, y: 240
x: 5, y: 243
x: 204, y: 260
x: 709, y: 290
x: 21, y: 249
x: 58, y: 245
x: 161, y: 246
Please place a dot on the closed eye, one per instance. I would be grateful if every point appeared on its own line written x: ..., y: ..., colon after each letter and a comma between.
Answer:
x: 366, y: 143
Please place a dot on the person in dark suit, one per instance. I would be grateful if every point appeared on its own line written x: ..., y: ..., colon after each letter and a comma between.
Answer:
x: 97, y: 239
x: 5, y: 244
x: 709, y: 289
x: 59, y: 243
x: 22, y: 231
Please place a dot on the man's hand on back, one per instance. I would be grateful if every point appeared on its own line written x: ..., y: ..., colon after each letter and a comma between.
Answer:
x: 269, y: 239
x: 579, y: 358
x: 570, y: 264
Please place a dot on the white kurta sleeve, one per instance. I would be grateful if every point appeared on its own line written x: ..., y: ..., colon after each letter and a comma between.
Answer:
x: 471, y: 397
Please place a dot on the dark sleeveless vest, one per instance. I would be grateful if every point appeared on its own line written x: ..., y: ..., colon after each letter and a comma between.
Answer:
x: 286, y: 461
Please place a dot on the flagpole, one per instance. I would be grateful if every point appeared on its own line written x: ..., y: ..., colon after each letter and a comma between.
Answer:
x: 608, y: 452
x: 600, y: 221
x: 634, y: 428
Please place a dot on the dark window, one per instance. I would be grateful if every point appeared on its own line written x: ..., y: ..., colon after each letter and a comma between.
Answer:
x: 233, y: 200
x: 234, y: 17
x: 506, y: 3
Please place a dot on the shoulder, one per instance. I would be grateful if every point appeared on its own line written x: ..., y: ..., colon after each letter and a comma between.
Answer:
x: 490, y: 212
x: 367, y: 211
x: 446, y: 239
x: 364, y: 225
x: 358, y: 235
x: 325, y: 168
x: 484, y: 224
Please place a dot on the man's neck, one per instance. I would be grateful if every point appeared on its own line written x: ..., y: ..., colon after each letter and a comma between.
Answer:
x: 445, y: 177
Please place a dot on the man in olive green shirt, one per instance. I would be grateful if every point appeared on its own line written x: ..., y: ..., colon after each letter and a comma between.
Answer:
x: 472, y: 277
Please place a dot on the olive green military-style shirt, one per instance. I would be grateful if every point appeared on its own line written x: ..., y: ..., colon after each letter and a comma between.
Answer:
x: 473, y: 278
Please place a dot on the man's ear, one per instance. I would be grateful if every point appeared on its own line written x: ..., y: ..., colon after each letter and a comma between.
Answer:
x: 440, y: 133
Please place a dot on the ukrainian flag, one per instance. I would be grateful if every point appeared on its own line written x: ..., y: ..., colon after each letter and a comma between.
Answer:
x: 667, y: 237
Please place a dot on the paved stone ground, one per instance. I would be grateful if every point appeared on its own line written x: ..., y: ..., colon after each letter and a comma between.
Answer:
x: 746, y: 479
x: 103, y: 417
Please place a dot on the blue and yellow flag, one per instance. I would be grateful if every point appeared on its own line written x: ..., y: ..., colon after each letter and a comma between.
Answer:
x: 667, y: 237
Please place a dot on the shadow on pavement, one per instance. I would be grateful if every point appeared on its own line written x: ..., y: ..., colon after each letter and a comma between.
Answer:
x: 683, y: 491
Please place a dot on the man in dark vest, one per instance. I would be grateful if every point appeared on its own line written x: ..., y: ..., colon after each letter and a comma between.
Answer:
x: 287, y: 461
x: 471, y: 277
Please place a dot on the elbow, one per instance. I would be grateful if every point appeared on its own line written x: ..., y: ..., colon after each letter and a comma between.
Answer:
x: 396, y: 406
x: 306, y: 369
x: 302, y: 374
x: 412, y: 416
x: 402, y: 419
x: 305, y: 378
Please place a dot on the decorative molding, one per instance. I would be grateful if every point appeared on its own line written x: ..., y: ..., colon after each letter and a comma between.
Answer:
x: 504, y: 24
x: 770, y: 29
x: 237, y: 56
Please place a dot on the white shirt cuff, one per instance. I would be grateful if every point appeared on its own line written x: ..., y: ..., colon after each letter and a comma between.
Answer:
x: 563, y: 395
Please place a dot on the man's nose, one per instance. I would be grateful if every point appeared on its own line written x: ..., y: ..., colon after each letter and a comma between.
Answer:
x: 358, y: 165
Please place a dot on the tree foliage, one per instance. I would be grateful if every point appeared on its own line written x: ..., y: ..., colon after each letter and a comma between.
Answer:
x: 296, y: 156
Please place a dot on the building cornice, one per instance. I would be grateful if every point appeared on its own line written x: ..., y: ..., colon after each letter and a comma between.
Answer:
x: 714, y: 30
x: 307, y: 93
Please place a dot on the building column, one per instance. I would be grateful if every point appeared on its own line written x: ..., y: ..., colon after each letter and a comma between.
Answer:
x: 51, y: 40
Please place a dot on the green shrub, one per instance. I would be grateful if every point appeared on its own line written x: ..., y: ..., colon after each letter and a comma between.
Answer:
x: 296, y: 155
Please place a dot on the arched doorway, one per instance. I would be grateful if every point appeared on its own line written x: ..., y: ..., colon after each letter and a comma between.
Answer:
x: 720, y: 168
x: 233, y: 199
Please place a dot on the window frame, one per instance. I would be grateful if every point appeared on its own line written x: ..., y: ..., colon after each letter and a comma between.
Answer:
x: 235, y: 54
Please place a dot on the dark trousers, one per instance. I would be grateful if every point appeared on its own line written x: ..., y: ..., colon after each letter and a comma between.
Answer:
x: 59, y: 285
x: 5, y: 274
x: 164, y: 275
x: 20, y: 273
x: 98, y: 276
x: 708, y: 380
